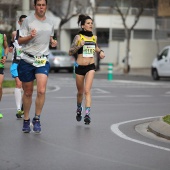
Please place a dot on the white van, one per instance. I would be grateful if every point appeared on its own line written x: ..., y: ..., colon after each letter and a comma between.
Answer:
x: 161, y: 64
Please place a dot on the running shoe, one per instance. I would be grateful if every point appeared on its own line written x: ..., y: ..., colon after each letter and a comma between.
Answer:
x: 19, y: 114
x: 79, y: 116
x: 1, y: 115
x: 26, y: 126
x: 36, y: 125
x: 87, y: 119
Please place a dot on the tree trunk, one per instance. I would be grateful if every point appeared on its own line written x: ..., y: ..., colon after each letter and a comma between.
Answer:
x: 58, y: 37
x: 126, y: 68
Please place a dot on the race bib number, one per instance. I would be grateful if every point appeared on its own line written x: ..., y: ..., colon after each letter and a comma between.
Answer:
x: 39, y: 61
x: 18, y: 51
x: 88, y: 50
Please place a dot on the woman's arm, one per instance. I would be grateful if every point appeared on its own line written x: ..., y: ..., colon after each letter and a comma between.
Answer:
x: 99, y: 51
x: 76, y: 45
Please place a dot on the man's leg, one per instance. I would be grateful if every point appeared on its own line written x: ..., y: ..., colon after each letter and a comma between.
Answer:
x: 1, y: 80
x: 39, y: 102
x: 27, y: 98
x: 41, y: 89
x: 18, y: 97
x: 18, y: 93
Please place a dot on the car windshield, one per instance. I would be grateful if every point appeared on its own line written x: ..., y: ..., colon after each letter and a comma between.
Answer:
x: 59, y: 53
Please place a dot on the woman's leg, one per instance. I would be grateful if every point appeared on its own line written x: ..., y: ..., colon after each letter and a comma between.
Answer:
x: 80, y: 91
x: 87, y: 90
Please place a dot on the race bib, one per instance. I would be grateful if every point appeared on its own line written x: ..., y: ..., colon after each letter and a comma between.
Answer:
x: 18, y: 51
x: 39, y: 61
x: 88, y: 50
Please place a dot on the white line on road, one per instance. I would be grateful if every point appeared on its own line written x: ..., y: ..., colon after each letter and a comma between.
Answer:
x: 140, y: 82
x: 168, y: 92
x: 115, y: 129
x: 138, y: 96
x: 70, y: 97
x: 97, y: 90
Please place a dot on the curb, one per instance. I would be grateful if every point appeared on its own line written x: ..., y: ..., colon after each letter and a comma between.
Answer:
x: 8, y: 90
x: 11, y: 90
x: 160, y: 128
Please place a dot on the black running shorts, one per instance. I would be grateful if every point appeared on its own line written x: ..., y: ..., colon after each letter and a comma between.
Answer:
x: 82, y: 70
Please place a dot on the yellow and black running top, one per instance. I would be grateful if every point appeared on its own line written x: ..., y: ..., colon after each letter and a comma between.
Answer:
x: 88, y: 49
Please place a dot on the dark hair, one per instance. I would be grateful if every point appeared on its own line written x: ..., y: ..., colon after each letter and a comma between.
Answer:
x: 21, y: 17
x: 35, y: 2
x: 82, y: 18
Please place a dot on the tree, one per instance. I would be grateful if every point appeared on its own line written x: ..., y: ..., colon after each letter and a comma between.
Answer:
x: 65, y: 10
x: 128, y: 30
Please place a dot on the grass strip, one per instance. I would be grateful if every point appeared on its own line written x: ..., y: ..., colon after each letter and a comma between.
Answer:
x: 167, y: 119
x: 11, y: 84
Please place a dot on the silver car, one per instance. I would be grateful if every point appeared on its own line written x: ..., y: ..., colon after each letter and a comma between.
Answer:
x: 60, y: 60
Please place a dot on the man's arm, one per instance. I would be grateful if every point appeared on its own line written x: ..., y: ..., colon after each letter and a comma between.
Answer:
x: 53, y: 42
x: 11, y: 46
x: 24, y: 40
x: 3, y: 60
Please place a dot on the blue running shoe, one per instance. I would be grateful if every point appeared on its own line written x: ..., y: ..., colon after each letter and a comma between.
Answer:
x: 79, y: 116
x: 36, y: 125
x: 26, y: 126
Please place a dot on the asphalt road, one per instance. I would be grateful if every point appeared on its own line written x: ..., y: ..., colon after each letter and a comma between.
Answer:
x: 116, y: 139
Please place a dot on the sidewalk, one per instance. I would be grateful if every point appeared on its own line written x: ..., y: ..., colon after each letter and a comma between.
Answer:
x: 160, y: 128
x: 119, y: 71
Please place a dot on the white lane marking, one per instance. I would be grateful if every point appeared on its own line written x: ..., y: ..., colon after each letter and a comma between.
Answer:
x: 168, y: 92
x: 165, y: 95
x: 140, y: 82
x: 54, y: 88
x: 97, y: 90
x: 138, y: 96
x: 115, y: 129
x: 72, y: 97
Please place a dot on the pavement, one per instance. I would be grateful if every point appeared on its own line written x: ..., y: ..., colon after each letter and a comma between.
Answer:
x: 158, y: 126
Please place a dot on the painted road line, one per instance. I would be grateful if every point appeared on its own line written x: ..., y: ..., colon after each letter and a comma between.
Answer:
x: 115, y: 129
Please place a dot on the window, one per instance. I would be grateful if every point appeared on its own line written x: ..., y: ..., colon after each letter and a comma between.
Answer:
x: 103, y: 37
x: 118, y: 35
x: 142, y: 34
x: 164, y: 54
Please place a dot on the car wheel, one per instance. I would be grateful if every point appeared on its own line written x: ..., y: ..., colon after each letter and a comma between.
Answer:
x: 70, y: 70
x: 155, y: 75
x: 56, y: 70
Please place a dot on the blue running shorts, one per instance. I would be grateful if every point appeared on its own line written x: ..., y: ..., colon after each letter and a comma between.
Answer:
x: 27, y: 72
x: 13, y: 70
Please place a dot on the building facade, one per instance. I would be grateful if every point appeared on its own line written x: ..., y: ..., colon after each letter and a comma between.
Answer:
x: 148, y: 36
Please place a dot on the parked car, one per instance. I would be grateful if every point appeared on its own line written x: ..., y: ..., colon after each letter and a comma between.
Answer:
x: 60, y: 60
x: 161, y: 64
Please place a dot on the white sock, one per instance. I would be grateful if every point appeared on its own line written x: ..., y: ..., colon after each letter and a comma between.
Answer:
x: 18, y: 98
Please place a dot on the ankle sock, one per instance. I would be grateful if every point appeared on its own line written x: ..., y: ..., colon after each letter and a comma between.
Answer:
x: 37, y: 116
x: 87, y: 112
x: 79, y: 106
